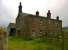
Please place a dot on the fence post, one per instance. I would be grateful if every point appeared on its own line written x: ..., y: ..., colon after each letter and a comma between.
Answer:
x: 62, y: 40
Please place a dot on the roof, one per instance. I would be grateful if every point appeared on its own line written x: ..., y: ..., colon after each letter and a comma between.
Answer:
x: 27, y: 14
x: 11, y: 25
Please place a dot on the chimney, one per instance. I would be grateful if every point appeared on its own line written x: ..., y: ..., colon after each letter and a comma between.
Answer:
x: 57, y: 17
x: 37, y: 13
x: 48, y: 14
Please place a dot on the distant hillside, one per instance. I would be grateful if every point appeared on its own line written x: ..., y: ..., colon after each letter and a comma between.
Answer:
x: 65, y: 28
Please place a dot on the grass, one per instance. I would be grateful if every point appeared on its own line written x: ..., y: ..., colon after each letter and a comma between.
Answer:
x: 16, y: 43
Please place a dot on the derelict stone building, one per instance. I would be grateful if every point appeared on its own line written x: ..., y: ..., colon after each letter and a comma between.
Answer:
x: 35, y: 25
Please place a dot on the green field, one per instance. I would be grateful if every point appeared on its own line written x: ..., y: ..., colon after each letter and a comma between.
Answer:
x: 16, y: 43
x: 19, y: 43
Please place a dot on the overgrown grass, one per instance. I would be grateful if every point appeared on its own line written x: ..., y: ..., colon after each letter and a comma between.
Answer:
x: 66, y: 40
x: 16, y: 43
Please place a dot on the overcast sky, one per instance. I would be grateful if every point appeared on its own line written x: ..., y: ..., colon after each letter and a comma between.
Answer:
x: 9, y: 9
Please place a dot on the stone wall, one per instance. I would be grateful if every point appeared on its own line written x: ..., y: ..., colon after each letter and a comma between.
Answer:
x: 32, y: 25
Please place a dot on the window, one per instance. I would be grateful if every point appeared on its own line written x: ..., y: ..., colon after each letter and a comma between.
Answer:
x: 41, y: 22
x: 33, y: 33
x: 41, y: 31
x: 57, y: 24
x: 48, y: 21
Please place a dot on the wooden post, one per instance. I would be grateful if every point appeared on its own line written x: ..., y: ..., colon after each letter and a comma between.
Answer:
x: 3, y: 41
x: 62, y: 40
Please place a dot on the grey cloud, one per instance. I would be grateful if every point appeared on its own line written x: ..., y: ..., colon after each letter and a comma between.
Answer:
x: 63, y: 13
x: 6, y: 14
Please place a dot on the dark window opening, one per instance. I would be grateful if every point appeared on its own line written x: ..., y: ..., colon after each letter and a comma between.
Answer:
x: 12, y: 31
